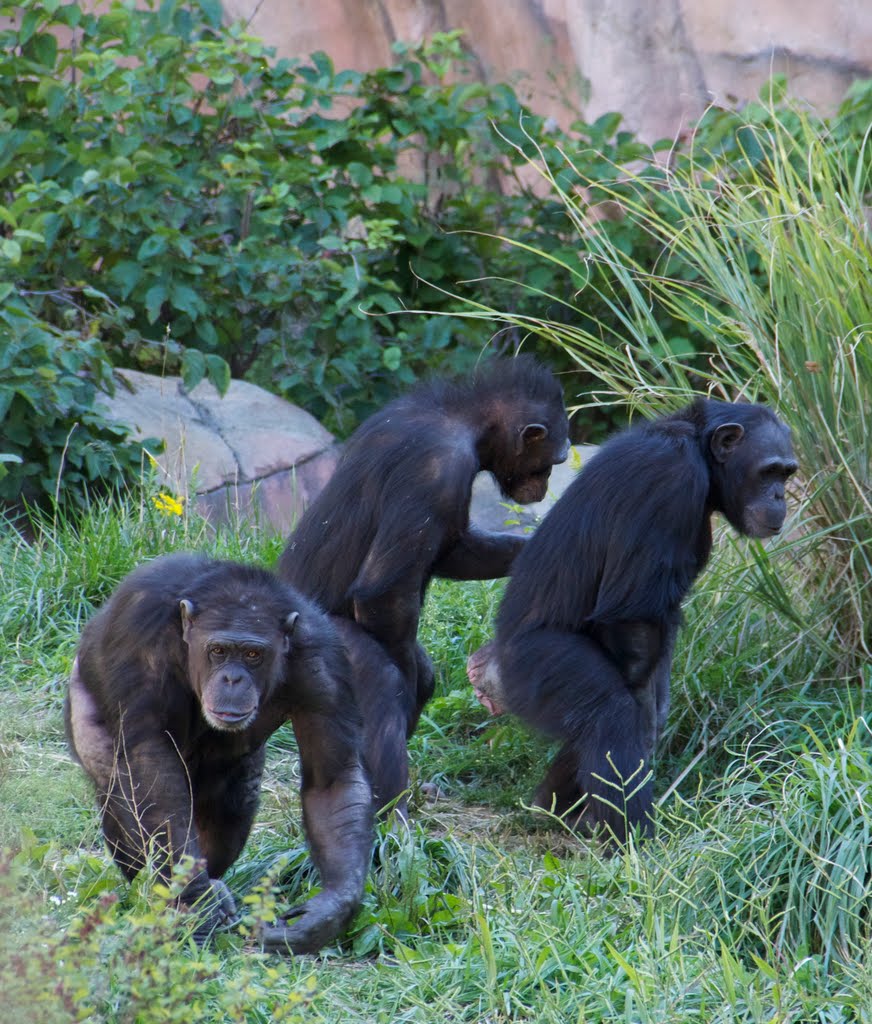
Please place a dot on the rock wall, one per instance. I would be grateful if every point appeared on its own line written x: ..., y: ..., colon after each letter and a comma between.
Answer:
x: 659, y: 62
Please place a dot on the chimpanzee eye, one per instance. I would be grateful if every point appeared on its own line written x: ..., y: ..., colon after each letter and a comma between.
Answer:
x: 216, y: 651
x: 253, y: 656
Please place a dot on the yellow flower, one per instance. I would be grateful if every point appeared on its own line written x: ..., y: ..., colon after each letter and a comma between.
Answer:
x: 168, y: 504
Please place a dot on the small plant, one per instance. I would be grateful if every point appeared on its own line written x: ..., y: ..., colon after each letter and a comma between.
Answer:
x: 134, y: 967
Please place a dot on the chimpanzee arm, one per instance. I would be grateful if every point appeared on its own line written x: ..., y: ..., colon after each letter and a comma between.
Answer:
x: 479, y: 555
x: 148, y: 808
x: 337, y: 813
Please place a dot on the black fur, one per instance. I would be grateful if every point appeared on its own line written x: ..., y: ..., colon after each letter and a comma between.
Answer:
x: 159, y: 714
x: 396, y: 513
x: 587, y: 627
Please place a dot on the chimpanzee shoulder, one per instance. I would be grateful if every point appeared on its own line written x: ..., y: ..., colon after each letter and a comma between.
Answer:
x: 634, y: 517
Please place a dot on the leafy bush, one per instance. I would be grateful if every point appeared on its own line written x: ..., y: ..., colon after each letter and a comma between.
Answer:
x: 250, y: 216
x: 54, y: 442
x: 124, y: 967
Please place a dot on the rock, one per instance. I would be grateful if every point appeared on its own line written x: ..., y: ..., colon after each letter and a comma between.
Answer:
x: 246, y: 455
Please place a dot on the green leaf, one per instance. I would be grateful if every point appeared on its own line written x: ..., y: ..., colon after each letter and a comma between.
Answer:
x: 45, y: 49
x: 218, y: 370
x: 153, y: 245
x: 193, y: 368
x: 186, y: 299
x: 392, y: 357
x: 55, y: 101
x: 213, y: 12
x: 28, y: 26
x: 31, y: 236
x: 155, y: 297
x: 10, y: 250
x: 127, y: 274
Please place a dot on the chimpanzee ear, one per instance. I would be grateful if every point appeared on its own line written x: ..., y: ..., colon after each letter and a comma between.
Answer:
x: 725, y: 440
x: 288, y: 627
x: 186, y: 608
x: 530, y: 434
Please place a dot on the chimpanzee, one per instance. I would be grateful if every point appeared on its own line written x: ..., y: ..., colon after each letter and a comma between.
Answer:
x: 396, y: 513
x: 586, y: 629
x: 178, y: 682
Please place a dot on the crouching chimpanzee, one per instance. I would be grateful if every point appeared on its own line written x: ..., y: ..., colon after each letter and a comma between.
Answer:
x: 396, y: 513
x: 586, y: 630
x: 178, y: 682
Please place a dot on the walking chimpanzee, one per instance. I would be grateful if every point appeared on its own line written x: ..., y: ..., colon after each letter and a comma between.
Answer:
x: 179, y: 680
x: 586, y: 629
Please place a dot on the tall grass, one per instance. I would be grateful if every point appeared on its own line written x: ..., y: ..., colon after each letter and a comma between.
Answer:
x: 775, y: 262
x: 750, y: 906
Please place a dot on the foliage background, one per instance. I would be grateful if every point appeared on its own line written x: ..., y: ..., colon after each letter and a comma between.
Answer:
x: 171, y: 198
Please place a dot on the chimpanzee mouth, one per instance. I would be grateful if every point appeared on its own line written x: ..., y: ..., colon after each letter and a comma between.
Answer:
x: 763, y: 531
x: 230, y: 720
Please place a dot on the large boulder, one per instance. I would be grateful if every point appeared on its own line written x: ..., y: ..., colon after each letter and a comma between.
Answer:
x: 245, y: 455
x: 250, y: 456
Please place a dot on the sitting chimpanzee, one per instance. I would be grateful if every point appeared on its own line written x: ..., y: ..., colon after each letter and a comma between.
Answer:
x: 586, y: 630
x: 179, y: 680
x: 396, y: 513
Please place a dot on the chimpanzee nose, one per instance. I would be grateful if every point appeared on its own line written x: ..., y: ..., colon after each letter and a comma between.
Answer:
x: 232, y: 676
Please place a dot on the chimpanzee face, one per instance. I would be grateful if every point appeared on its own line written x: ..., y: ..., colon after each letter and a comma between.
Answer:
x: 752, y: 466
x: 537, y: 448
x: 236, y: 657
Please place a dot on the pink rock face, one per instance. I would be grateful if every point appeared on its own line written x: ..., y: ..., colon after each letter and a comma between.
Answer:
x: 659, y: 64
x: 248, y: 455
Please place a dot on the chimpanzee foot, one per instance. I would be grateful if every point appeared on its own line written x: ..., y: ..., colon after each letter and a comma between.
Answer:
x: 430, y: 791
x: 484, y: 674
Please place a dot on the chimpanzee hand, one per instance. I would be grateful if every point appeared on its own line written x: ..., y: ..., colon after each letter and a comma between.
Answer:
x: 215, y: 910
x: 318, y: 921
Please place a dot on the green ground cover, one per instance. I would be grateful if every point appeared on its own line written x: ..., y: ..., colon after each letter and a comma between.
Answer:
x: 751, y: 905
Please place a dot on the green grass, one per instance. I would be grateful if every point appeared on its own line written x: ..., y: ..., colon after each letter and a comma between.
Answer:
x: 751, y: 905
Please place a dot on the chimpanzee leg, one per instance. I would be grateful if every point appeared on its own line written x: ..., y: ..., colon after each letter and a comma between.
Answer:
x: 559, y: 792
x: 661, y: 679
x: 387, y: 761
x: 426, y: 684
x: 567, y: 686
x: 389, y: 713
x: 392, y: 619
x: 652, y: 692
x: 226, y: 795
